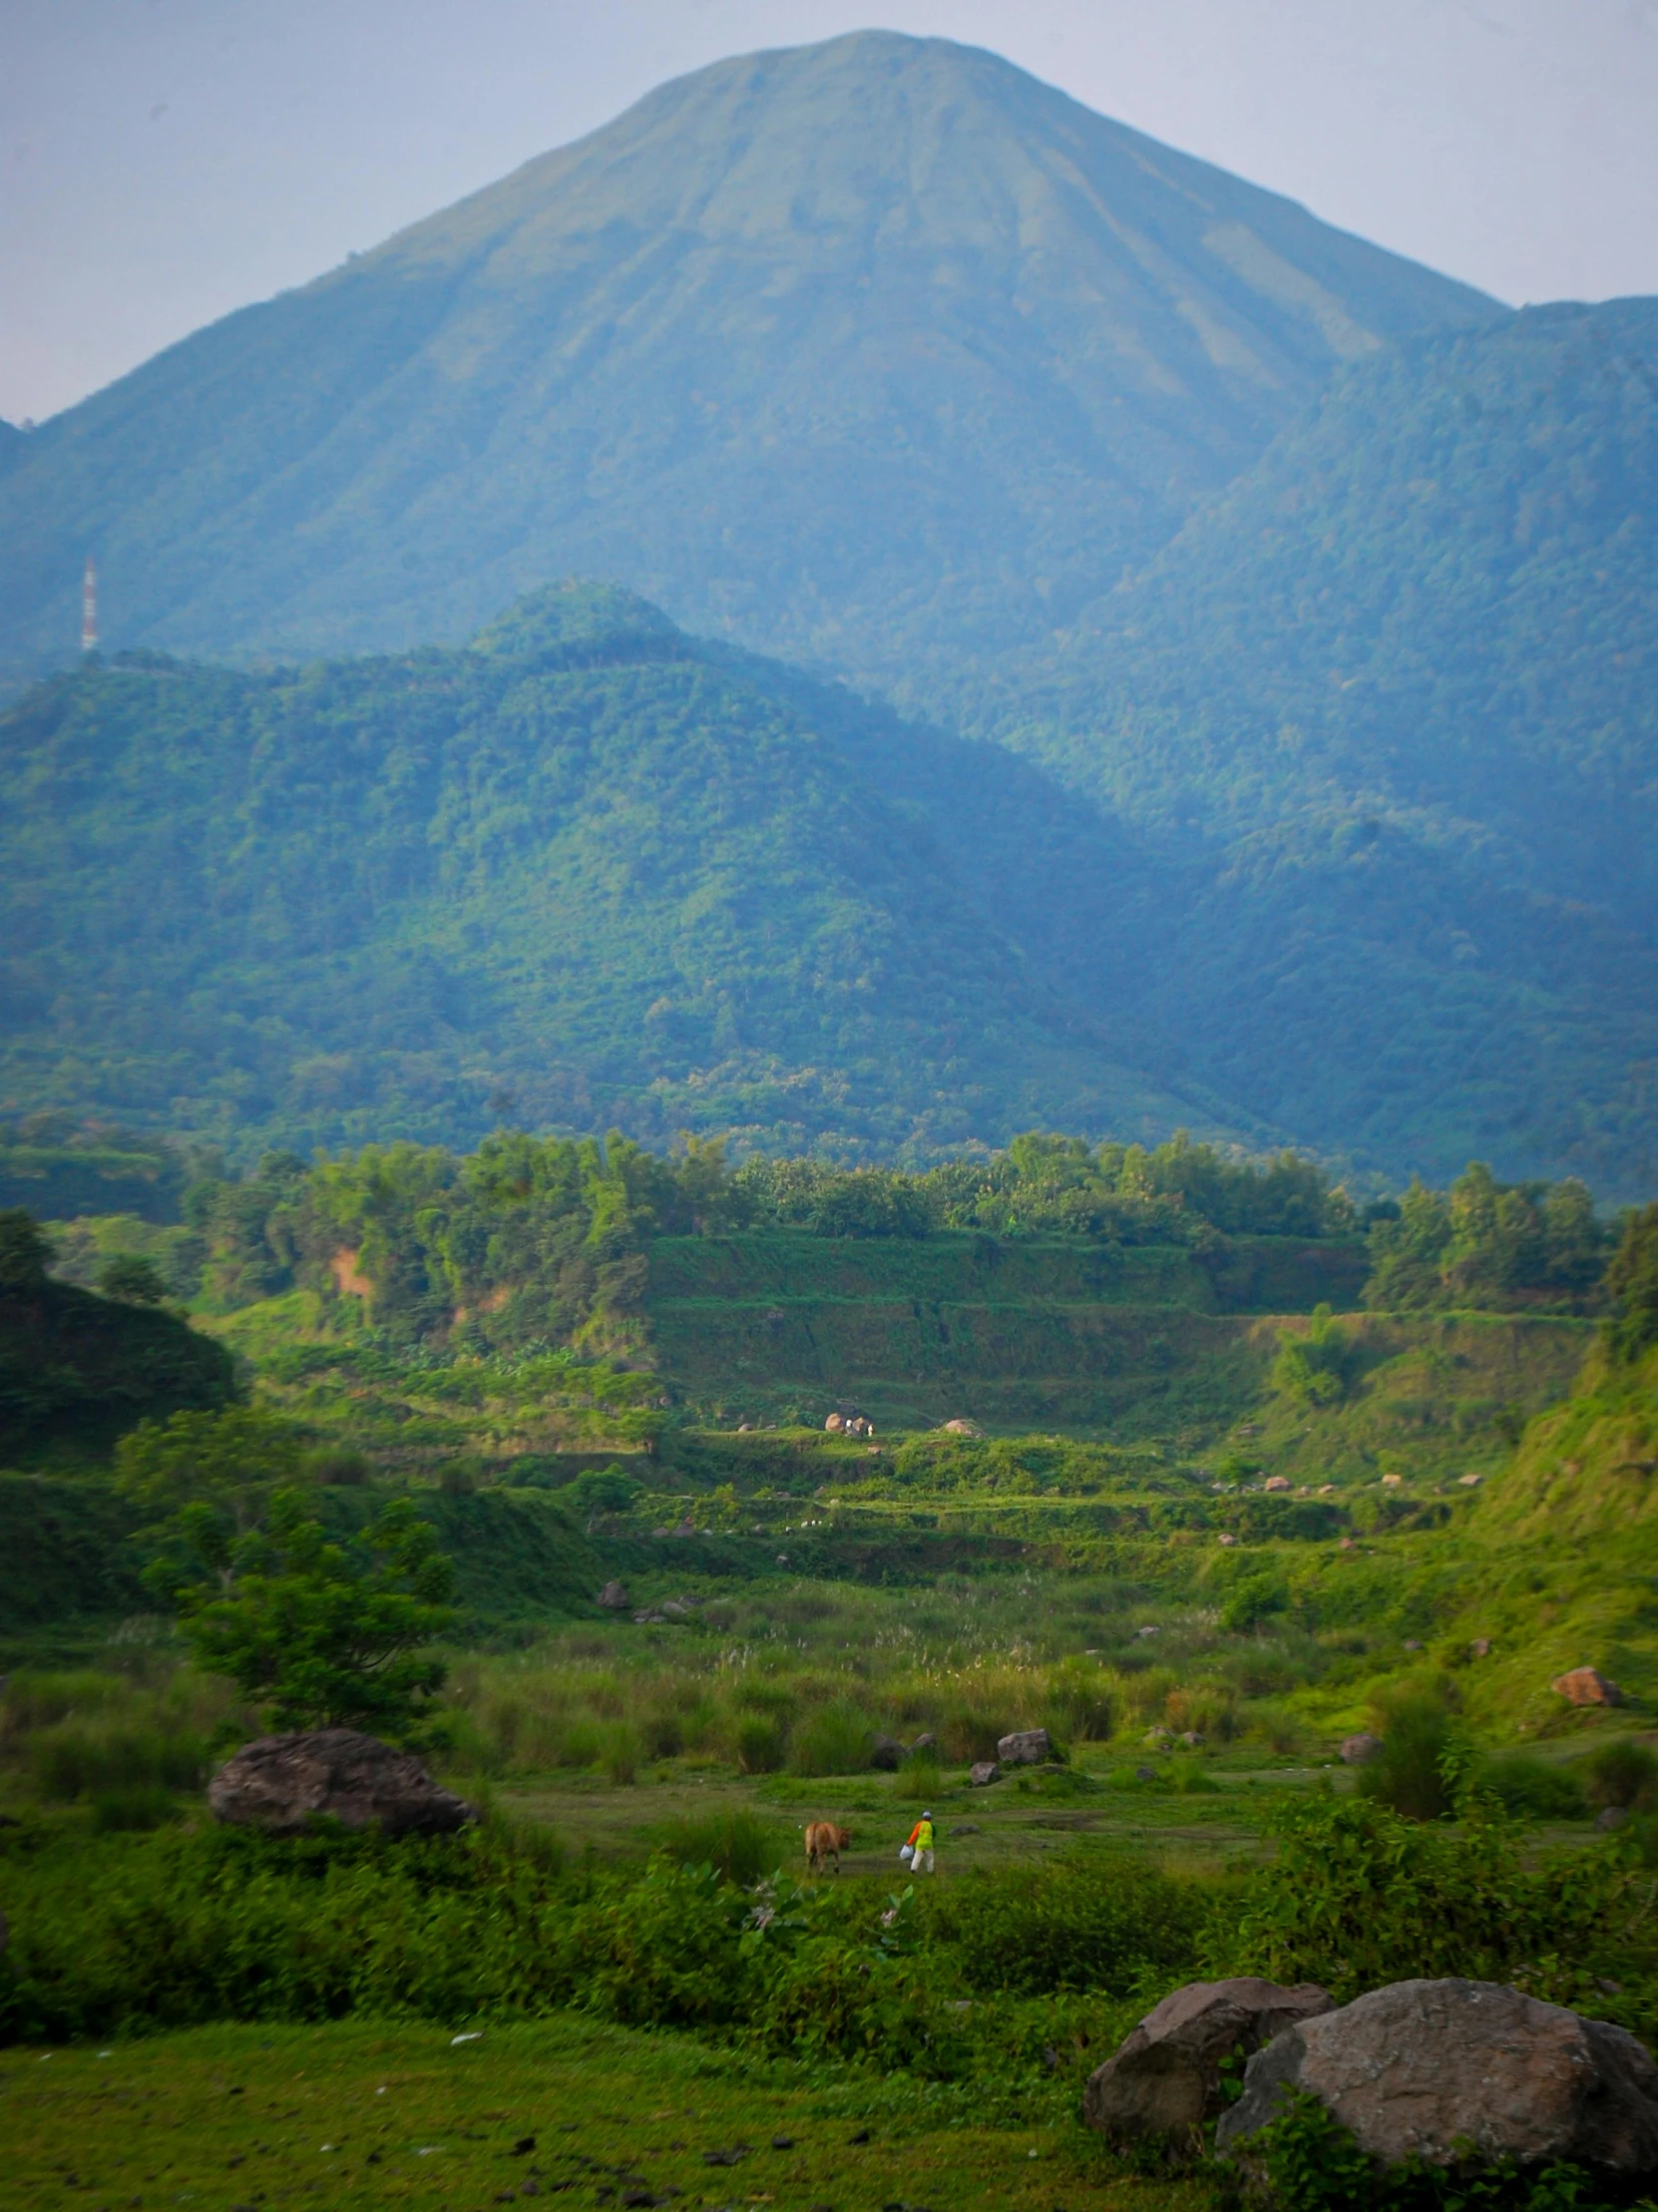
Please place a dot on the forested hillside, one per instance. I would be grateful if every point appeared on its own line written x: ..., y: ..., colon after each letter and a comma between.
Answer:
x: 1390, y: 701
x: 584, y: 872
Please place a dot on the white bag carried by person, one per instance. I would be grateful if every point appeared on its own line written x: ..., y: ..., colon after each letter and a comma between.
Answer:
x: 905, y: 1853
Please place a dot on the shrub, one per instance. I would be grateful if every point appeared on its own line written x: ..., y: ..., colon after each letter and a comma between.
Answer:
x: 1359, y: 1896
x: 1077, y: 1926
x: 138, y: 1806
x: 1209, y: 1708
x: 918, y: 1778
x: 1413, y: 1773
x: 664, y: 1732
x: 1254, y: 1599
x: 338, y: 1466
x: 835, y: 1739
x: 1624, y: 1774
x: 738, y: 1845
x: 760, y: 1744
x: 1530, y: 1787
x: 619, y: 1752
x: 81, y: 1758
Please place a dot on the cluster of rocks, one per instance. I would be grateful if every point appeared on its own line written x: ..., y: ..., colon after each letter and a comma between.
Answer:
x: 1429, y: 2071
x: 850, y: 1424
x: 614, y: 1598
x: 1024, y: 1747
x: 887, y: 1753
x: 670, y: 1608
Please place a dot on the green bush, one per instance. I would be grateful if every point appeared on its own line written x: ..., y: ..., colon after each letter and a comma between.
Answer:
x: 919, y: 1778
x: 737, y: 1844
x: 1081, y: 1926
x: 758, y: 1744
x: 1623, y: 1774
x: 1530, y: 1787
x: 138, y: 1806
x: 1253, y: 1600
x: 1358, y: 1896
x: 619, y: 1752
x: 81, y: 1758
x: 1413, y: 1772
x: 836, y: 1739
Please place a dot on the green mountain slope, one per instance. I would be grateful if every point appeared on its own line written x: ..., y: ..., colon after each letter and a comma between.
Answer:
x: 877, y: 352
x: 1390, y: 701
x: 581, y: 873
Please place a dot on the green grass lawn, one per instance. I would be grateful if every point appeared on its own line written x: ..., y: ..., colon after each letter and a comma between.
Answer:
x: 368, y: 2115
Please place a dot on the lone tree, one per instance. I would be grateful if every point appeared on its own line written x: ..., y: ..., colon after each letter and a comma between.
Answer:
x: 320, y: 1634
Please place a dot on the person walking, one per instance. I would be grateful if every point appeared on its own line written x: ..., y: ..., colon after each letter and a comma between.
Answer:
x: 921, y: 1846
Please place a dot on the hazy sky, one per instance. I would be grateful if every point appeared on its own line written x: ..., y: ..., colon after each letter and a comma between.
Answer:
x: 165, y: 160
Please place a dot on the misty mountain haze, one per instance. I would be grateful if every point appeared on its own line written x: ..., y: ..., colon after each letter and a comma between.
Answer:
x: 1314, y: 586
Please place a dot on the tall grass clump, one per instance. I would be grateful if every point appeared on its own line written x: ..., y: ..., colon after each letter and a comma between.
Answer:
x: 919, y: 1778
x: 619, y: 1752
x: 82, y: 1758
x: 758, y: 1744
x: 1413, y: 1772
x: 836, y: 1739
x: 737, y: 1844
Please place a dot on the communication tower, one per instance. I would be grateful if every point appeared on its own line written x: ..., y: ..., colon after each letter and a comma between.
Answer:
x: 89, y: 607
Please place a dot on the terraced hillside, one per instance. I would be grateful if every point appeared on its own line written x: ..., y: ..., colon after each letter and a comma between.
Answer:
x: 1136, y: 1342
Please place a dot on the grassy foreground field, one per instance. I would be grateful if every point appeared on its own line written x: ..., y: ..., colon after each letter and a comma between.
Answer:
x: 360, y: 2114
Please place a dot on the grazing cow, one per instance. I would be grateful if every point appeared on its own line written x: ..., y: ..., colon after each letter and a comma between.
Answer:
x: 824, y: 1841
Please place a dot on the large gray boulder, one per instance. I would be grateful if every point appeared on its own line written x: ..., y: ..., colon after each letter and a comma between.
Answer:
x: 283, y: 1783
x: 887, y: 1753
x: 1025, y: 1747
x: 1166, y: 2080
x: 1431, y: 2069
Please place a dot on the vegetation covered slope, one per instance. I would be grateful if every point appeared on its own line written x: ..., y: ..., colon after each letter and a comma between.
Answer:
x: 77, y: 1368
x: 1389, y: 703
x: 877, y: 351
x: 582, y: 872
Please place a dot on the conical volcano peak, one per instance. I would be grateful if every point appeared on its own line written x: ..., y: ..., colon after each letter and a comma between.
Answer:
x: 879, y: 353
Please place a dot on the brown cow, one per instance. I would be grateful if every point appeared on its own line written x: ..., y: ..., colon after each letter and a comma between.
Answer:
x: 824, y: 1841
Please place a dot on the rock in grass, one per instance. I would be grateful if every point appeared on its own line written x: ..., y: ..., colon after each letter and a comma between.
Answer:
x: 615, y: 1598
x: 1166, y: 2080
x: 1586, y: 1685
x: 887, y: 1753
x: 1025, y: 1747
x: 982, y: 1773
x: 1432, y: 2069
x: 283, y: 1783
x: 1358, y: 1750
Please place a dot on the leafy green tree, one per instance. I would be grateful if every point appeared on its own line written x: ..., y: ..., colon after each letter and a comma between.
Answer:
x: 1632, y: 1284
x: 25, y: 1253
x: 1405, y: 1250
x: 321, y: 1635
x: 218, y: 1469
x: 130, y: 1277
x: 1314, y: 1369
